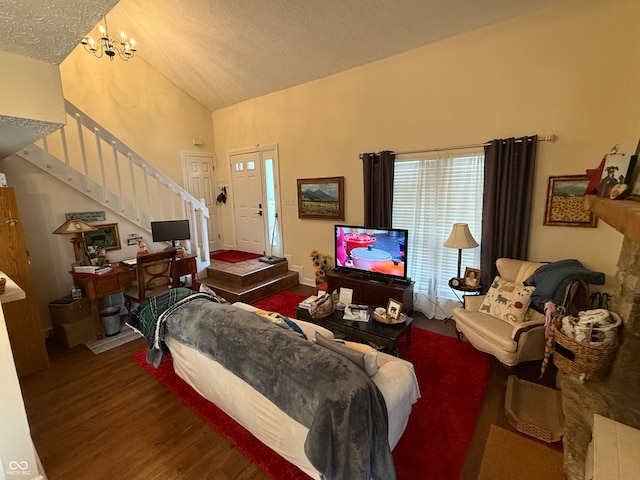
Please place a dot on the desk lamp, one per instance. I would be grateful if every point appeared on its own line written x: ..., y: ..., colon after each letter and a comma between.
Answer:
x: 76, y: 227
x: 460, y: 238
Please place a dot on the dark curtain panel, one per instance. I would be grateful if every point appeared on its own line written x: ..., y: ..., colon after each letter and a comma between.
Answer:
x: 378, y: 188
x: 508, y: 195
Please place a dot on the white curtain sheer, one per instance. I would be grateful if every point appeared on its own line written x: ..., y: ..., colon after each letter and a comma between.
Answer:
x: 431, y: 193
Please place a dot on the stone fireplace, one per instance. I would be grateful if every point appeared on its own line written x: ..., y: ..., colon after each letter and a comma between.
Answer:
x: 618, y: 395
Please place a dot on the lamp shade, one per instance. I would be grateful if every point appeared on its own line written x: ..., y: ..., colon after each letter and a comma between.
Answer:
x: 460, y: 237
x: 74, y: 225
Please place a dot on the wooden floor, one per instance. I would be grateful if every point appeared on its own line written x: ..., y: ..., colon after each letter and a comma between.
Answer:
x: 103, y: 417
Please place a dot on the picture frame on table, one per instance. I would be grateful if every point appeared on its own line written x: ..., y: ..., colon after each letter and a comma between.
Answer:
x: 565, y: 202
x: 346, y: 296
x: 394, y: 309
x: 618, y: 170
x: 106, y: 236
x: 321, y: 198
x: 471, y: 278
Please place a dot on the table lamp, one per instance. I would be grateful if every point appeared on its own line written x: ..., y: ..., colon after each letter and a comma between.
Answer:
x: 76, y: 227
x: 460, y: 238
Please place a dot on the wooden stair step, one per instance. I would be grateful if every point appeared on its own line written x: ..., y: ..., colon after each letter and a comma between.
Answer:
x: 233, y: 292
x: 245, y: 274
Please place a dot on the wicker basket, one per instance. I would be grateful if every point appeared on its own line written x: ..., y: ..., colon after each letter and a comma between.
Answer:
x: 584, y: 361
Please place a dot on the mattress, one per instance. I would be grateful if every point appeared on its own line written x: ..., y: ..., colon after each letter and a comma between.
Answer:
x: 395, y: 379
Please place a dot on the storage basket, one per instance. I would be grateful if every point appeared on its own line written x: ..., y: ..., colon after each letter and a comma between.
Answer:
x: 587, y: 362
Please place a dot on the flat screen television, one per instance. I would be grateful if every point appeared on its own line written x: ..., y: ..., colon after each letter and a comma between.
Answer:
x: 170, y: 231
x: 375, y: 253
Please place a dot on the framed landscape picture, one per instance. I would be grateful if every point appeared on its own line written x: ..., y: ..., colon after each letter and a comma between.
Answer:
x: 565, y: 202
x: 321, y: 198
x: 106, y: 237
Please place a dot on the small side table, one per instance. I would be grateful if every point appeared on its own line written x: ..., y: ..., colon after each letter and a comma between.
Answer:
x: 464, y: 291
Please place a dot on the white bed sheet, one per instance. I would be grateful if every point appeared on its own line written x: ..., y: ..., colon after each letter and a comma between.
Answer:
x: 395, y: 379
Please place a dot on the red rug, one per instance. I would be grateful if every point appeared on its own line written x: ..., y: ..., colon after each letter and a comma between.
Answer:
x: 452, y: 378
x: 233, y: 256
x: 284, y: 303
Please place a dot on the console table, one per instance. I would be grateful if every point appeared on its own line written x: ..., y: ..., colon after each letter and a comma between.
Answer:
x: 372, y: 292
x: 382, y: 335
x: 95, y: 287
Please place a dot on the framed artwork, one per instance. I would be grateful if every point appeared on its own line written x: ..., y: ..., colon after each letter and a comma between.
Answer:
x: 471, y: 277
x: 618, y: 170
x: 394, y: 308
x: 106, y: 237
x: 634, y: 184
x: 565, y: 202
x: 321, y: 198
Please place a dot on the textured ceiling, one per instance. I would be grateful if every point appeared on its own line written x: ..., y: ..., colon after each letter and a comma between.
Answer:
x: 48, y: 29
x: 223, y: 51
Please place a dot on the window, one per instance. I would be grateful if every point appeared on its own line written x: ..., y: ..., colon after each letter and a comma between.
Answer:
x: 431, y: 193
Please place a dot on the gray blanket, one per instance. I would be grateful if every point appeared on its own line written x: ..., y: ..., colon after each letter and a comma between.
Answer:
x: 343, y: 409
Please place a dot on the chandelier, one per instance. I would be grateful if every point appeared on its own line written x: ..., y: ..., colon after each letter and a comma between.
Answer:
x: 109, y: 46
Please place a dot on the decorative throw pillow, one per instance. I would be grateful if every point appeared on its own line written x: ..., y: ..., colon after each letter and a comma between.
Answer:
x: 207, y: 289
x: 507, y: 300
x: 353, y: 355
x: 370, y: 356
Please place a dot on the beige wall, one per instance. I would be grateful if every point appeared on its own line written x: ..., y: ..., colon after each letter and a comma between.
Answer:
x: 139, y: 106
x: 30, y: 89
x: 570, y: 71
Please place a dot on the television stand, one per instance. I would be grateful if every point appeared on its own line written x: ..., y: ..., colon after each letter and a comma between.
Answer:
x: 372, y: 292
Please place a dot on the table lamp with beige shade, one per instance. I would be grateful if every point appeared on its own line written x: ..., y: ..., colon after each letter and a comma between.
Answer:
x: 76, y: 227
x: 460, y: 238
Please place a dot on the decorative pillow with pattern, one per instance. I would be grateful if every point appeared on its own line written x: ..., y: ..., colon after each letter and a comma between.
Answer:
x: 508, y: 301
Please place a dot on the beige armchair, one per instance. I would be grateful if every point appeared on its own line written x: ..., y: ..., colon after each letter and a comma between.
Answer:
x: 508, y: 342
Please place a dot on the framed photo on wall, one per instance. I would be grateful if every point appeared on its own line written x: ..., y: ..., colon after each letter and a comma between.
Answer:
x: 321, y: 198
x: 565, y: 202
x: 106, y: 237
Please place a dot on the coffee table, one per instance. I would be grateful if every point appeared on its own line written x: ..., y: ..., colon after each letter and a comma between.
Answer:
x: 380, y: 335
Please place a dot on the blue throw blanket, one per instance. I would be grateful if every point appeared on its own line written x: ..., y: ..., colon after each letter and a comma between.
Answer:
x: 551, y: 280
x: 343, y: 409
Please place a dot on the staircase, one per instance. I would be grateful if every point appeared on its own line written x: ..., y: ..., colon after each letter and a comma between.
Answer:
x: 91, y: 160
x: 88, y: 158
x: 248, y: 281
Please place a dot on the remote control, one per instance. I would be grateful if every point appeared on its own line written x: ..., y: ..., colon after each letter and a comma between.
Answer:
x: 353, y: 306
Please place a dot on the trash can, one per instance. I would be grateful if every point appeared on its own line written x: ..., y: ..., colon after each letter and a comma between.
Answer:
x: 110, y: 320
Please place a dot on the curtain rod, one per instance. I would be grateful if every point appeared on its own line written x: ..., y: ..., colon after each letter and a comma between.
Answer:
x: 541, y: 138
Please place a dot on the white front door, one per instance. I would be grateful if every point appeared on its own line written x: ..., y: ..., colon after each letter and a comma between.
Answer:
x: 199, y: 179
x: 249, y: 201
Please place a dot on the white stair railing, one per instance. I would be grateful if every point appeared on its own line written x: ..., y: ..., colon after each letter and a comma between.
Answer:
x: 96, y: 163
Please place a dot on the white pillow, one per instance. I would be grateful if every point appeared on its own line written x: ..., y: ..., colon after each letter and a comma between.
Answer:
x: 508, y: 301
x: 370, y: 356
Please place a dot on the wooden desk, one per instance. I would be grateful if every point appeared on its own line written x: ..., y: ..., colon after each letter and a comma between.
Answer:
x: 95, y: 287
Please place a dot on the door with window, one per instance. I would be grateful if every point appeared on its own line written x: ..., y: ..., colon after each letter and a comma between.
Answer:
x: 255, y: 192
